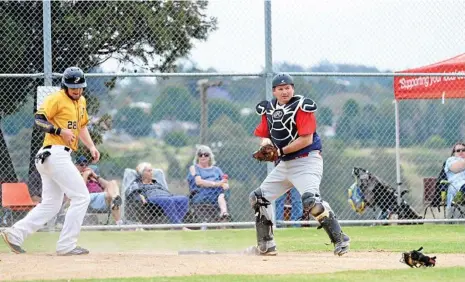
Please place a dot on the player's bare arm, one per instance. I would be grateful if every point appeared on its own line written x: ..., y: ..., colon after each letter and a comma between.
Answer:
x: 458, y: 165
x: 299, y: 143
x: 85, y: 138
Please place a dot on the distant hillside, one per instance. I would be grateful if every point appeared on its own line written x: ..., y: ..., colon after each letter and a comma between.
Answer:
x: 336, y: 102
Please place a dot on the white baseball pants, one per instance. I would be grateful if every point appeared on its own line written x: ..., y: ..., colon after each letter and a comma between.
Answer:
x: 303, y: 173
x: 59, y: 176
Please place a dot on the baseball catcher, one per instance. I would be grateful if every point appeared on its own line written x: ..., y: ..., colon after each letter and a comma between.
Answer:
x: 417, y: 259
x: 289, y: 139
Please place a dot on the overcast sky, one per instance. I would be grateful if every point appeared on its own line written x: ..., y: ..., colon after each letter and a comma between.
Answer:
x: 388, y: 34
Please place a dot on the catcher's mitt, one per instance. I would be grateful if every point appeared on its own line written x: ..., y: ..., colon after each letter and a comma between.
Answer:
x: 418, y: 259
x: 266, y: 153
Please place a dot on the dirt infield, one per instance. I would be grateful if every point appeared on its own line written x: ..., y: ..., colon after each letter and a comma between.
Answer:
x: 112, y: 265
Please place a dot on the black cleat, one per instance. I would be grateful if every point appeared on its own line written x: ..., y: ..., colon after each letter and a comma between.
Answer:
x: 342, y: 247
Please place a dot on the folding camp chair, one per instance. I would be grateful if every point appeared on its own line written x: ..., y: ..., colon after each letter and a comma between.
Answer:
x: 456, y: 210
x: 16, y: 200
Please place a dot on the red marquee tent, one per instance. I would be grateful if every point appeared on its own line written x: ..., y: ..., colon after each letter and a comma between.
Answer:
x: 432, y: 87
x: 427, y: 87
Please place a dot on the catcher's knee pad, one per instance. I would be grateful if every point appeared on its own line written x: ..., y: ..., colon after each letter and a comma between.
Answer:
x: 314, y: 206
x: 256, y: 199
x: 263, y: 222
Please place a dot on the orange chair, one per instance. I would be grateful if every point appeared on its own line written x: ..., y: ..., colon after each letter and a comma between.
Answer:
x: 16, y: 197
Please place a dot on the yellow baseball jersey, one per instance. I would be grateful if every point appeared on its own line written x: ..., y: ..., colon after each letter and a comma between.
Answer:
x: 64, y: 112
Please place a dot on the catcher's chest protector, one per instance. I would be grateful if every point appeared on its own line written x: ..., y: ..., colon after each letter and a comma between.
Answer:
x: 281, y: 121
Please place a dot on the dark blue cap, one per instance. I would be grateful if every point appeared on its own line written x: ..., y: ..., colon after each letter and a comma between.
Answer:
x: 81, y: 160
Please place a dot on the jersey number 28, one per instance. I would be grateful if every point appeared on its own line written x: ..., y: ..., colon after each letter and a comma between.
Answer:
x: 72, y: 125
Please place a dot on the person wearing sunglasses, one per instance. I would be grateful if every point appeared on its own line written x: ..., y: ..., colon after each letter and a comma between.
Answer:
x: 207, y: 182
x: 104, y: 194
x: 455, y: 172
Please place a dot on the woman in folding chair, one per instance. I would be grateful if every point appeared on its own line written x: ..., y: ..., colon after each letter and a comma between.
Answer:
x: 455, y: 171
x: 207, y: 182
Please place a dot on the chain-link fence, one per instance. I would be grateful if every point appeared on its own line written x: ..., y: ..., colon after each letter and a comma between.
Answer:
x: 139, y: 118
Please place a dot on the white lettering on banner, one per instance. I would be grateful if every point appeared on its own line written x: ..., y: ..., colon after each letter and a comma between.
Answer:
x: 427, y: 81
x: 408, y: 84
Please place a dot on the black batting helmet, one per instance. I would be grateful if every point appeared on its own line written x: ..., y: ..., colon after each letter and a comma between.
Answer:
x: 282, y: 79
x: 73, y: 77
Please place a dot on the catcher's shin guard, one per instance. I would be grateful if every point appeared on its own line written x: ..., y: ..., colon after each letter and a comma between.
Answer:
x: 322, y: 212
x: 340, y: 240
x: 263, y: 223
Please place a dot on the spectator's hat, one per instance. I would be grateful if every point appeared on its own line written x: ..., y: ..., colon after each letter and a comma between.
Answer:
x: 81, y: 160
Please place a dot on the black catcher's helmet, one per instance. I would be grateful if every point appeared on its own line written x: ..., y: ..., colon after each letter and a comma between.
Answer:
x: 73, y: 77
x: 282, y: 79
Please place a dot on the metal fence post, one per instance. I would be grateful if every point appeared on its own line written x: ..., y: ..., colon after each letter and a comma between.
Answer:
x: 47, y: 26
x: 47, y: 32
x: 269, y: 76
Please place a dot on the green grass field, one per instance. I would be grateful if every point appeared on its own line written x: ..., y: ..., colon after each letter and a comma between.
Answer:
x: 436, y: 239
x: 445, y: 274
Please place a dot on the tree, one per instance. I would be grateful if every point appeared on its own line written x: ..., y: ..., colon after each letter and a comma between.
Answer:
x: 346, y: 126
x: 452, y: 122
x: 250, y: 122
x: 225, y: 130
x: 133, y: 121
x: 385, y: 125
x: 176, y: 139
x: 325, y: 116
x: 21, y: 119
x: 21, y: 40
x: 247, y: 89
x: 304, y: 88
x: 327, y: 87
x: 218, y: 108
x: 152, y: 34
x: 175, y: 102
x: 365, y: 127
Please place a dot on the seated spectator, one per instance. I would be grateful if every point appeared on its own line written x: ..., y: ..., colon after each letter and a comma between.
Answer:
x: 207, y: 182
x: 145, y: 190
x: 455, y: 171
x: 104, y: 194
